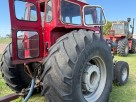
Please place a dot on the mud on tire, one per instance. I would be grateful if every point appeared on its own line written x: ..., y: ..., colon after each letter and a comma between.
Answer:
x: 68, y: 60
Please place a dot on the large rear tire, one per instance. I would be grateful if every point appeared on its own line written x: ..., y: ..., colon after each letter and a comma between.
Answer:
x: 70, y: 59
x: 14, y: 75
x: 123, y: 47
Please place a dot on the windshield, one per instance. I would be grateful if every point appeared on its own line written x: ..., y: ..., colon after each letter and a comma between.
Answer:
x: 126, y: 28
x: 70, y: 13
x: 94, y: 15
x: 118, y: 28
x: 90, y: 15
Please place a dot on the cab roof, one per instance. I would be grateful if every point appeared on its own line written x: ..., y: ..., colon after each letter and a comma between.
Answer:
x: 118, y: 22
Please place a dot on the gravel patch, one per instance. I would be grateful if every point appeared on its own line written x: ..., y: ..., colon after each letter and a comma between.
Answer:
x: 2, y: 47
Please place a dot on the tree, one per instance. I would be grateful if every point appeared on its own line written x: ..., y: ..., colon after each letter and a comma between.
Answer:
x: 107, y: 27
x: 8, y: 35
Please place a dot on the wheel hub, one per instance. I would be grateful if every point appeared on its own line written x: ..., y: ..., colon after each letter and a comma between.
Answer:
x: 109, y: 45
x: 91, y: 78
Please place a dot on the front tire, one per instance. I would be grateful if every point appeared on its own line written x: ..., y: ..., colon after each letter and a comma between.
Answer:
x: 74, y: 55
x: 121, y: 73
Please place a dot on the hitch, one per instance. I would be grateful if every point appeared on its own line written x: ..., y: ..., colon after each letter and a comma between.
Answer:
x: 10, y: 97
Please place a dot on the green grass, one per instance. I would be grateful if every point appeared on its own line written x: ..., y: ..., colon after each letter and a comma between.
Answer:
x: 5, y: 40
x: 126, y: 93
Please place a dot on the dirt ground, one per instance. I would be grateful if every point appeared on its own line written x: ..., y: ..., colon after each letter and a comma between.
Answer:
x: 2, y: 47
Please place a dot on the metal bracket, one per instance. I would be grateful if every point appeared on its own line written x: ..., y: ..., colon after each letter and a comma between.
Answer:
x: 9, y: 98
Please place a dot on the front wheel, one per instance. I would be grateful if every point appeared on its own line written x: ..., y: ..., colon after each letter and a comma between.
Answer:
x: 121, y: 73
x: 79, y: 69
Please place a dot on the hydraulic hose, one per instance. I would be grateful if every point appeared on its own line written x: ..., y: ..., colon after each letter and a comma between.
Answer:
x: 30, y: 91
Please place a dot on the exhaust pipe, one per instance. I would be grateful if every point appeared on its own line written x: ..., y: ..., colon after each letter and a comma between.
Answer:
x: 133, y: 26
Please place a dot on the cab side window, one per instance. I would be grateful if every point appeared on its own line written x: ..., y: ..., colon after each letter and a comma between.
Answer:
x: 25, y: 11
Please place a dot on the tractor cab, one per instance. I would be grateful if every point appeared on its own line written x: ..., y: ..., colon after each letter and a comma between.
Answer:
x: 70, y: 13
x: 36, y: 25
x: 122, y: 28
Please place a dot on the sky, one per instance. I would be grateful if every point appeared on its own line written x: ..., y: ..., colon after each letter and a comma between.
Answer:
x: 114, y: 10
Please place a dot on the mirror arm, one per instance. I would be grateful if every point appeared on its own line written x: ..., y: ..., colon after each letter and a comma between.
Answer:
x: 101, y: 30
x: 133, y: 26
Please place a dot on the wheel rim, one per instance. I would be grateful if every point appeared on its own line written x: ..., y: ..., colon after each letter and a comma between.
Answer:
x: 109, y: 45
x: 94, y: 79
x: 124, y: 74
x: 126, y: 50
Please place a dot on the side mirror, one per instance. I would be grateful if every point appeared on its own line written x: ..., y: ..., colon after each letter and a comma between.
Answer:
x: 94, y: 15
x: 131, y: 26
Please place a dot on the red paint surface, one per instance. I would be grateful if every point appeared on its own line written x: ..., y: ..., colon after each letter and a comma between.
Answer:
x: 47, y: 35
x: 116, y: 38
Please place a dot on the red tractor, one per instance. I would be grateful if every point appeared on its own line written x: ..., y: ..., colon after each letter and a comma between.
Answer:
x: 59, y: 46
x: 120, y: 38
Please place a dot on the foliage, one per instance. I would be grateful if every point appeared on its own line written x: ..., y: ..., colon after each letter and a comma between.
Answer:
x: 8, y: 35
x: 107, y: 27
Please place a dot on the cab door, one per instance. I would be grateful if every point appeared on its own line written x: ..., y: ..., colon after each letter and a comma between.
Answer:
x: 27, y: 37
